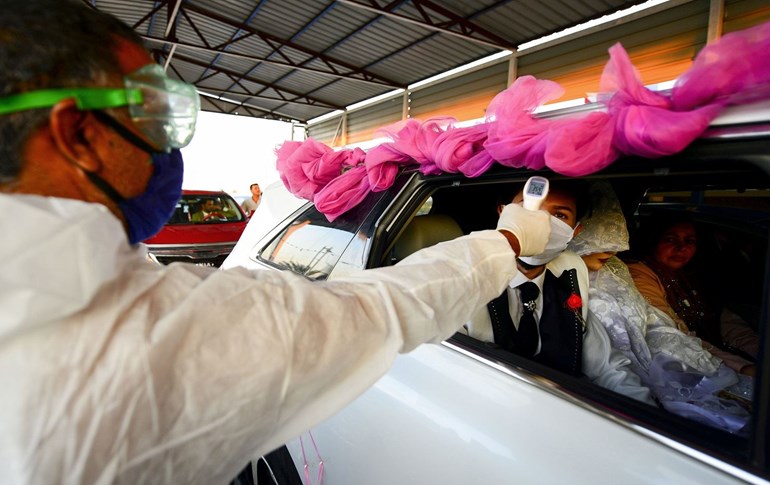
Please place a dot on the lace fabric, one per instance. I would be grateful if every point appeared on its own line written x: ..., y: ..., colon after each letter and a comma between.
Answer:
x: 605, y: 229
x: 625, y: 313
x: 685, y: 378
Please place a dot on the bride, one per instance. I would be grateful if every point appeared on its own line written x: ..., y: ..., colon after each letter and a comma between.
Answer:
x: 685, y: 378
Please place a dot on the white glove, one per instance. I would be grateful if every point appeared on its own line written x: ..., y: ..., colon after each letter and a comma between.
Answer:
x: 531, y: 228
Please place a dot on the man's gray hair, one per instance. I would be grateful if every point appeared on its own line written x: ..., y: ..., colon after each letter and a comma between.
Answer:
x: 50, y: 44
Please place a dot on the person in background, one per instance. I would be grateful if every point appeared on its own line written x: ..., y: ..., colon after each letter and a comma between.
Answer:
x: 250, y: 205
x: 118, y: 371
x: 210, y: 210
x: 550, y: 325
x: 664, y: 275
x: 684, y: 377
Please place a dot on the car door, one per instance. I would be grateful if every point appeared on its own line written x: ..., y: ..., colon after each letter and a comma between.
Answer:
x: 463, y: 412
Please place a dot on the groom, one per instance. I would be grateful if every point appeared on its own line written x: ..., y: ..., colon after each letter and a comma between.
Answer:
x: 543, y: 314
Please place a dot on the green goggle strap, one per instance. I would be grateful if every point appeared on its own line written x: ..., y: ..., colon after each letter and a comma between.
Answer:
x: 85, y: 99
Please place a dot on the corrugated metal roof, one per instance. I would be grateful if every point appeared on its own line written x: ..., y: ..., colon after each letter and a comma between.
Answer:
x: 300, y: 59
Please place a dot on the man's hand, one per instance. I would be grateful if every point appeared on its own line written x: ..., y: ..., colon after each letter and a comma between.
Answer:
x: 531, y: 228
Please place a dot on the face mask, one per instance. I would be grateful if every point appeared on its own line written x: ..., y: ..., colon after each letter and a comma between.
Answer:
x: 561, y: 234
x: 147, y: 213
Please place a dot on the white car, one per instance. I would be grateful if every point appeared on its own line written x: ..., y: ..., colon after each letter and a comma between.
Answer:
x: 276, y: 205
x: 462, y: 412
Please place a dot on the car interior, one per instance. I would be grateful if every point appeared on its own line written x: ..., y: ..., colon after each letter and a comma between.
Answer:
x: 731, y: 203
x: 226, y: 210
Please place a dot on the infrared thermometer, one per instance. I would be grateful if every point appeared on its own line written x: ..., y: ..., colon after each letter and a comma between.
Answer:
x: 535, y: 192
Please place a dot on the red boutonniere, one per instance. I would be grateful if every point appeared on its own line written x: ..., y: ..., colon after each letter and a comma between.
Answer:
x: 574, y: 303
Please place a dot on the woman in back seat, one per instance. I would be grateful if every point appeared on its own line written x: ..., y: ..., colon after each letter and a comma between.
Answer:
x: 664, y: 276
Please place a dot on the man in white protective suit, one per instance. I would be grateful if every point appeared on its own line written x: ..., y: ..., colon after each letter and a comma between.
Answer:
x: 113, y: 369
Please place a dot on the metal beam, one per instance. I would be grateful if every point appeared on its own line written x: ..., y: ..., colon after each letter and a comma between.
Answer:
x: 170, y: 32
x: 277, y: 43
x: 214, y: 99
x: 426, y: 7
x: 292, y: 98
x: 294, y: 67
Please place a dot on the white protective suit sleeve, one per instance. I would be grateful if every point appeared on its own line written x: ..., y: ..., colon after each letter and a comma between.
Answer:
x: 117, y: 370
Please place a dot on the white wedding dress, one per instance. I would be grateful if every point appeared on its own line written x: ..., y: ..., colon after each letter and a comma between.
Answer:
x: 686, y: 379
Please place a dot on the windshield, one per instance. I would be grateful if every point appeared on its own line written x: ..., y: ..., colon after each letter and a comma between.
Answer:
x: 205, y: 209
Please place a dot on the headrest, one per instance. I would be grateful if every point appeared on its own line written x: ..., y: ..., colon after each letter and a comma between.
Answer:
x: 424, y: 231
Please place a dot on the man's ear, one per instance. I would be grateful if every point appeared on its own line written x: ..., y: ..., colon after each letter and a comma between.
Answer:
x: 70, y: 128
x: 577, y: 230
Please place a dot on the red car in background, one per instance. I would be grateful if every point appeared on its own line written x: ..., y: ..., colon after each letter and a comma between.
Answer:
x: 203, y: 229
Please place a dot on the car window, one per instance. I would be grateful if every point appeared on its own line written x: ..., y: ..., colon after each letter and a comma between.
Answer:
x: 206, y: 209
x: 310, y: 245
x: 733, y: 206
x: 426, y: 207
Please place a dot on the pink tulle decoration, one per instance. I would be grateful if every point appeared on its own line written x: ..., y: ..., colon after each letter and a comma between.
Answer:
x: 638, y: 121
x: 415, y: 138
x: 306, y: 167
x: 477, y: 164
x: 455, y: 147
x: 655, y: 132
x: 515, y: 137
x: 343, y: 193
x: 382, y: 164
x: 733, y: 69
x: 645, y: 121
x: 582, y: 146
x: 620, y: 79
x: 412, y: 140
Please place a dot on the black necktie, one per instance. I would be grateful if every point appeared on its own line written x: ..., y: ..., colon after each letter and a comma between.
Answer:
x: 527, y: 335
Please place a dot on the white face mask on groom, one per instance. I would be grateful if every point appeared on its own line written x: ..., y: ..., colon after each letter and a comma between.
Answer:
x: 561, y: 235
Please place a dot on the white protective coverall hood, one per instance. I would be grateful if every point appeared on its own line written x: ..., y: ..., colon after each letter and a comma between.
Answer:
x: 116, y: 370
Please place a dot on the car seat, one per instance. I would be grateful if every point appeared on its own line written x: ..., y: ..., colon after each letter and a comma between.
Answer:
x: 179, y: 216
x: 424, y: 231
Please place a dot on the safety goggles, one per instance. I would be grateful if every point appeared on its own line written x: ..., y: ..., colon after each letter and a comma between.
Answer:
x: 163, y: 109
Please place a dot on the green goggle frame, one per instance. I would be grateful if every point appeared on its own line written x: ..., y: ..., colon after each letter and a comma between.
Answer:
x: 85, y: 99
x: 163, y: 109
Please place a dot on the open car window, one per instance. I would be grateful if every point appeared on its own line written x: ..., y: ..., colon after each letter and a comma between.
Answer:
x: 732, y: 204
